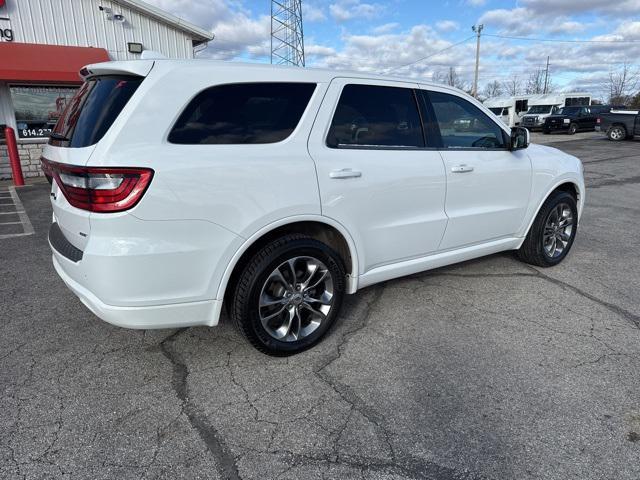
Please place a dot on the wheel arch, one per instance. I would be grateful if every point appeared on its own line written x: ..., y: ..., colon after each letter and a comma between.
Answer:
x: 321, y: 228
x: 564, y: 185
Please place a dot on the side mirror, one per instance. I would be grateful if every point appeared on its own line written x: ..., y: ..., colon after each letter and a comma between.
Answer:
x: 520, y: 138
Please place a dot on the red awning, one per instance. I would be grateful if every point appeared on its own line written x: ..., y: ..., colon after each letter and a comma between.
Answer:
x: 31, y: 62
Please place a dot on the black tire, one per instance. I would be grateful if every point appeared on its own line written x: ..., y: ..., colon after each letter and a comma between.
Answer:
x: 532, y: 250
x: 546, y: 132
x: 245, y: 303
x: 573, y: 128
x: 617, y: 133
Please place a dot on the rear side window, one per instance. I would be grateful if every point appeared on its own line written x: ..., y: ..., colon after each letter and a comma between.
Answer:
x: 374, y: 116
x: 93, y: 110
x: 244, y: 113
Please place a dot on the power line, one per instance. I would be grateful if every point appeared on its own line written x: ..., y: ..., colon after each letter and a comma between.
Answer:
x: 429, y: 56
x: 558, y: 40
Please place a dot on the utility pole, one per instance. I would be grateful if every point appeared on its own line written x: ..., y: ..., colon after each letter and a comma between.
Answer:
x: 478, y: 30
x: 546, y: 76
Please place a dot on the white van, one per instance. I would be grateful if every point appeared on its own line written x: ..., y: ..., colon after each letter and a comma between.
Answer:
x: 514, y: 109
x: 543, y: 106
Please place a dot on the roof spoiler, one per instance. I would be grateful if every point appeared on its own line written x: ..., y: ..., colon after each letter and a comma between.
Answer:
x: 139, y: 68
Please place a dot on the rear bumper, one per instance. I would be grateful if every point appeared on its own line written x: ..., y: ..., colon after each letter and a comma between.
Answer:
x: 149, y: 317
x: 145, y: 274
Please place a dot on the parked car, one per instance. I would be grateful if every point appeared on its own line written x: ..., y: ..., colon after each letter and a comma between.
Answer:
x: 182, y: 185
x: 573, y: 119
x: 619, y: 124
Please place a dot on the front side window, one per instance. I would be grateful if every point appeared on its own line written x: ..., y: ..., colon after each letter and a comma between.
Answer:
x: 38, y: 108
x: 243, y: 113
x: 374, y: 116
x: 463, y: 125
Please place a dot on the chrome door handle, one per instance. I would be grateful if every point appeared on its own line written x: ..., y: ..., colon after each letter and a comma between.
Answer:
x: 462, y: 169
x: 345, y: 173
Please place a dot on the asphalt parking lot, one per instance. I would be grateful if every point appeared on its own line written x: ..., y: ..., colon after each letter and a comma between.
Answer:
x: 486, y: 370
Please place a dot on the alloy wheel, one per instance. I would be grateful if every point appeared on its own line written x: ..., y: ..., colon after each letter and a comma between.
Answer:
x: 616, y: 133
x: 296, y: 298
x: 558, y: 229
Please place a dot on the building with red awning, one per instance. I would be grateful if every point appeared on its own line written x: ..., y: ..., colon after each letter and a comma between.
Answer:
x: 45, y: 43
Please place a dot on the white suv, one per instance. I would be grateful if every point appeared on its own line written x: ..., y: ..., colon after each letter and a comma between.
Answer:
x: 178, y: 185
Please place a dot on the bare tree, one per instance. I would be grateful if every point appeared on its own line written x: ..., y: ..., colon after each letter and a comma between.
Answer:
x: 493, y: 89
x: 535, y: 82
x: 512, y: 86
x: 451, y: 77
x: 620, y: 84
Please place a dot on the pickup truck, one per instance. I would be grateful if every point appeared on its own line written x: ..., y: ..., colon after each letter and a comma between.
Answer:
x: 571, y: 120
x: 619, y: 124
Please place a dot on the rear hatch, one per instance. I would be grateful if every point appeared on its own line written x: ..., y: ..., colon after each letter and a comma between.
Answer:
x: 107, y: 89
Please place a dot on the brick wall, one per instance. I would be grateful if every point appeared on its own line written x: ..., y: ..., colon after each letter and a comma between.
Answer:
x: 29, y: 158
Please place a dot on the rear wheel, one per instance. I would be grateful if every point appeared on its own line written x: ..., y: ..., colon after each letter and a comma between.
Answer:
x: 616, y: 133
x: 553, y: 231
x: 289, y: 295
x: 573, y: 128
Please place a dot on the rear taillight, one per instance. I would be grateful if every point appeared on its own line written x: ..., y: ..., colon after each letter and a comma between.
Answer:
x: 99, y: 189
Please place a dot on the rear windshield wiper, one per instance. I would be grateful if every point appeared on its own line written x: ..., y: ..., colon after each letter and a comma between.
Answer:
x: 58, y: 136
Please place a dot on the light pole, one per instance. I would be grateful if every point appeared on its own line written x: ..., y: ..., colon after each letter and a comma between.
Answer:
x: 478, y: 30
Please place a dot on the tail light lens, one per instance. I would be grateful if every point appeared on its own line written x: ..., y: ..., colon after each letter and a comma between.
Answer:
x: 99, y: 189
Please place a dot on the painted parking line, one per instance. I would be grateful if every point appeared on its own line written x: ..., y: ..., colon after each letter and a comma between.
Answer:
x: 18, y: 209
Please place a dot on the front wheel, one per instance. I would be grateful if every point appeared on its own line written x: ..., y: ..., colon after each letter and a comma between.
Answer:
x: 573, y: 128
x: 616, y: 133
x: 289, y: 295
x: 553, y: 231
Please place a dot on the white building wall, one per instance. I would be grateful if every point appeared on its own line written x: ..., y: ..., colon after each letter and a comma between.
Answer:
x: 81, y: 23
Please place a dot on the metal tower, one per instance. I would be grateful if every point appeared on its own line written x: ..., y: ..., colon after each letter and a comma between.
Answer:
x: 287, y: 39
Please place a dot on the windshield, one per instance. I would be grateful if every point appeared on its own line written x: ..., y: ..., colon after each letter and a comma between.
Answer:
x: 569, y: 110
x: 540, y: 109
x: 92, y: 110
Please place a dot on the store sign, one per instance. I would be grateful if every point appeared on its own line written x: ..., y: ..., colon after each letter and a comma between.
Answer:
x: 6, y: 34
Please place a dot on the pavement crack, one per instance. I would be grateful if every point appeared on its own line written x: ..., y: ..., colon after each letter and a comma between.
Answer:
x: 224, y: 458
x: 626, y: 314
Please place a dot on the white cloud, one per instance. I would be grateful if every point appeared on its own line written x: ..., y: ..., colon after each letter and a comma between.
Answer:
x: 312, y: 13
x: 345, y: 10
x: 447, y: 25
x: 603, y: 7
x: 386, y: 28
x: 236, y: 30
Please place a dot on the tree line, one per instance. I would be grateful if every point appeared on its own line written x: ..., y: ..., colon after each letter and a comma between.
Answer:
x: 620, y: 87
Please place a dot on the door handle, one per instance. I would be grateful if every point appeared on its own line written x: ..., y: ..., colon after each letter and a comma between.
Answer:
x: 345, y: 173
x: 462, y: 168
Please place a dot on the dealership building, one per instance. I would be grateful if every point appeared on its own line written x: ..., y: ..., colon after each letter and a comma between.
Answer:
x: 44, y: 43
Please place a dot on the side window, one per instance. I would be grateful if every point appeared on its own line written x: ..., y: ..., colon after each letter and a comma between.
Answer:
x: 243, y: 113
x: 522, y: 106
x: 373, y: 116
x: 463, y: 125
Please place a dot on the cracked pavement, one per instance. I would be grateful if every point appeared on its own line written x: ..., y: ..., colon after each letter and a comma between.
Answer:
x: 489, y: 369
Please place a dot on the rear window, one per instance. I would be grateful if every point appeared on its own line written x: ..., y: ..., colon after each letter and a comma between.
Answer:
x: 245, y: 113
x: 92, y: 110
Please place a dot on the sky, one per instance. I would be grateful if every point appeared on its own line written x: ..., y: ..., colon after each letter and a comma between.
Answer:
x: 586, y: 37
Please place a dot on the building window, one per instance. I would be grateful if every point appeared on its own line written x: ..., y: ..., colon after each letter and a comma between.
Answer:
x: 38, y: 108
